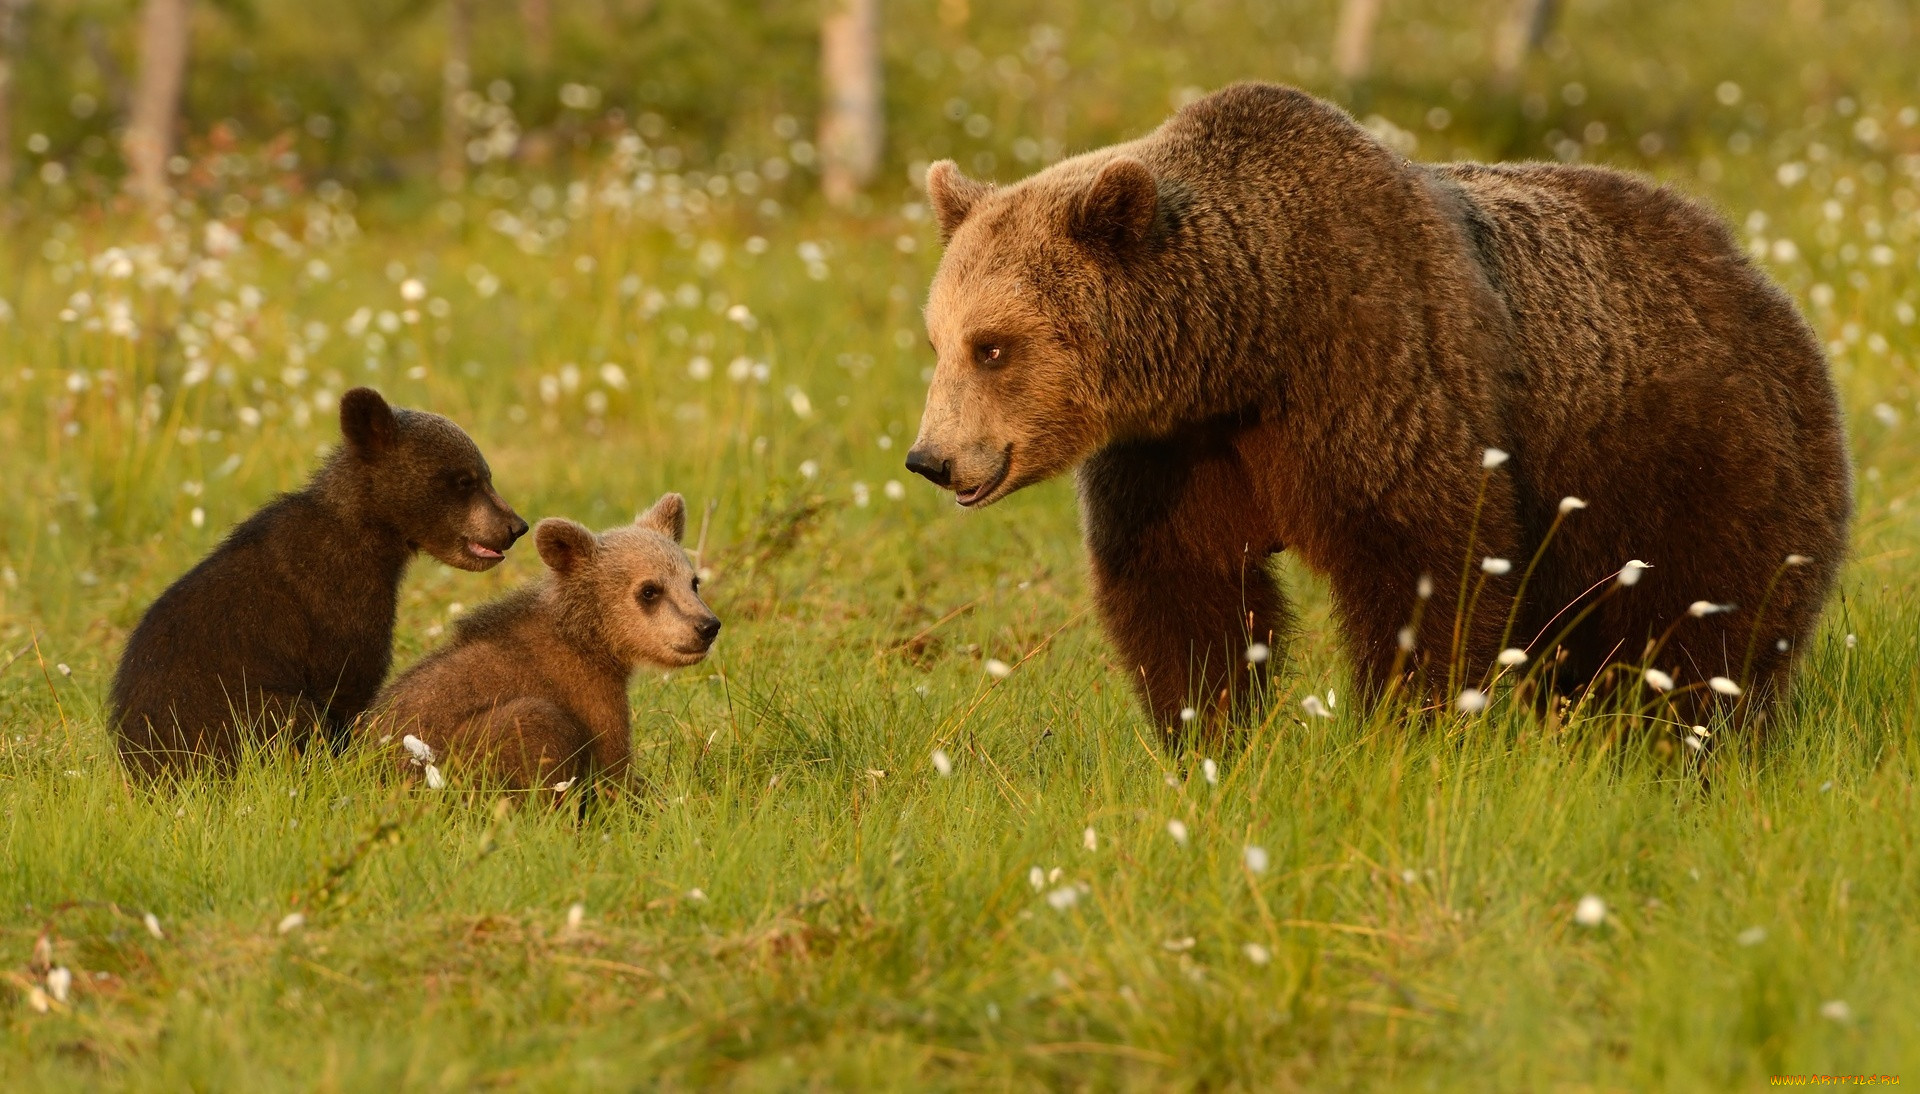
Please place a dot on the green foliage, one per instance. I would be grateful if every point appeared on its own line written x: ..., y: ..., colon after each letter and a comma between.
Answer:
x: 797, y: 896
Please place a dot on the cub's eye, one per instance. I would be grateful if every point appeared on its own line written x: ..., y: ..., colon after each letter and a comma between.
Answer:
x: 989, y: 354
x: 696, y: 584
x: 649, y: 593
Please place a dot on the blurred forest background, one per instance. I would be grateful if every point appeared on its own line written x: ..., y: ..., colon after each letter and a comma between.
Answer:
x: 98, y: 97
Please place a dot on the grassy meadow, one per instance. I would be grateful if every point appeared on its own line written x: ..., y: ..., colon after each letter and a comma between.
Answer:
x: 801, y: 896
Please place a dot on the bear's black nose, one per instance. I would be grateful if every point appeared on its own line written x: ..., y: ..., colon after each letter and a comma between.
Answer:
x: 708, y: 629
x: 937, y: 472
x: 519, y: 527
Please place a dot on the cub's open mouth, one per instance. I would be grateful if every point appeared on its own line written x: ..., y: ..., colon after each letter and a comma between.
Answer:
x: 983, y: 492
x: 480, y: 550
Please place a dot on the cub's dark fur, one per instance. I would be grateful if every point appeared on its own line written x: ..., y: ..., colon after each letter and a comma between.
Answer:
x: 288, y: 624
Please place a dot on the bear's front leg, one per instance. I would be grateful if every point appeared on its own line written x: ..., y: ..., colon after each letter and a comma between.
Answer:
x: 1179, y: 542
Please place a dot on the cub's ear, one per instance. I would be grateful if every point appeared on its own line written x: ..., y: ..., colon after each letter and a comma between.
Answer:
x: 565, y: 545
x: 668, y: 516
x: 953, y: 196
x: 1118, y: 209
x: 367, y: 422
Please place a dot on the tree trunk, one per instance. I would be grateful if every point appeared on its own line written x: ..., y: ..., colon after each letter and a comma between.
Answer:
x: 9, y: 33
x: 537, y: 17
x: 164, y: 35
x: 850, y: 118
x: 456, y: 74
x: 1524, y: 30
x: 1353, y: 38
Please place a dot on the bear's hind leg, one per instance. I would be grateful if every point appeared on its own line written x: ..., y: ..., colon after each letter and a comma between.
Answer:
x: 530, y: 743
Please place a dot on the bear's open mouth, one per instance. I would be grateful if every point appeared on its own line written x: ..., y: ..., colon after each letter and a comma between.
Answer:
x: 480, y: 550
x: 979, y: 495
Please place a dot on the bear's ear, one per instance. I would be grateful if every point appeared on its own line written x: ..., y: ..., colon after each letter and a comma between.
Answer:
x: 953, y: 196
x: 565, y: 545
x: 668, y: 516
x: 367, y: 422
x: 1118, y: 209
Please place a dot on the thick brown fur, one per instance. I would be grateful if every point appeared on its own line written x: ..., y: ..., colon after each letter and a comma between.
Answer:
x: 1260, y: 329
x: 532, y: 688
x: 286, y: 628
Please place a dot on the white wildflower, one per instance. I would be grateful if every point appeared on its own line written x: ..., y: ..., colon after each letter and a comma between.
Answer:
x: 998, y: 669
x: 1511, y: 656
x: 1405, y: 639
x: 1657, y: 680
x: 1569, y: 503
x: 576, y: 914
x: 1590, y: 912
x: 1257, y: 953
x: 1188, y: 714
x: 435, y: 780
x: 1630, y: 573
x: 291, y: 922
x: 1702, y: 732
x: 564, y: 785
x: 1090, y: 839
x: 1752, y: 936
x: 1724, y: 686
x: 1492, y: 458
x: 1702, y: 608
x: 1314, y: 706
x: 698, y: 896
x: 59, y: 982
x: 1471, y: 700
x: 422, y: 751
x: 1066, y: 896
x: 1258, y: 653
x: 1255, y: 857
x: 1496, y: 566
x: 1210, y: 771
x: 1037, y: 878
x: 153, y: 925
x: 1797, y: 560
x: 942, y: 763
x: 413, y: 290
x: 1424, y: 587
x: 1836, y: 1010
x: 1177, y: 828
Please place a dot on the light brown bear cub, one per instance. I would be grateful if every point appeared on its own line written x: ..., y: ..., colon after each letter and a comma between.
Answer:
x: 532, y: 689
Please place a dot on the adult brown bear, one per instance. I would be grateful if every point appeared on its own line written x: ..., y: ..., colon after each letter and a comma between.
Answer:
x: 1259, y: 329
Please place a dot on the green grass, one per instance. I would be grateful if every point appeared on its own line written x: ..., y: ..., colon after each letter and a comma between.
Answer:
x: 860, y: 920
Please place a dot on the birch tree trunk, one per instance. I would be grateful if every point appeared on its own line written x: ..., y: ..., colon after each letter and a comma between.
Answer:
x: 537, y: 17
x: 1353, y: 38
x: 1524, y: 30
x: 456, y: 74
x: 850, y: 117
x: 9, y: 35
x: 164, y: 34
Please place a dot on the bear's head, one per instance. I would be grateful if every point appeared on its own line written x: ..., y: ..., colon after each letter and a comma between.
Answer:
x: 421, y: 475
x: 631, y: 590
x: 1021, y: 321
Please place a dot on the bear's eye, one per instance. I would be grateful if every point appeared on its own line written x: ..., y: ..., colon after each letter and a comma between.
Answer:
x: 989, y: 354
x: 696, y: 584
x: 649, y: 593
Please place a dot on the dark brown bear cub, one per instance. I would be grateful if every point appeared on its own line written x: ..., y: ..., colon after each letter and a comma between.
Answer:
x: 287, y: 627
x: 532, y: 689
x: 1259, y: 329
